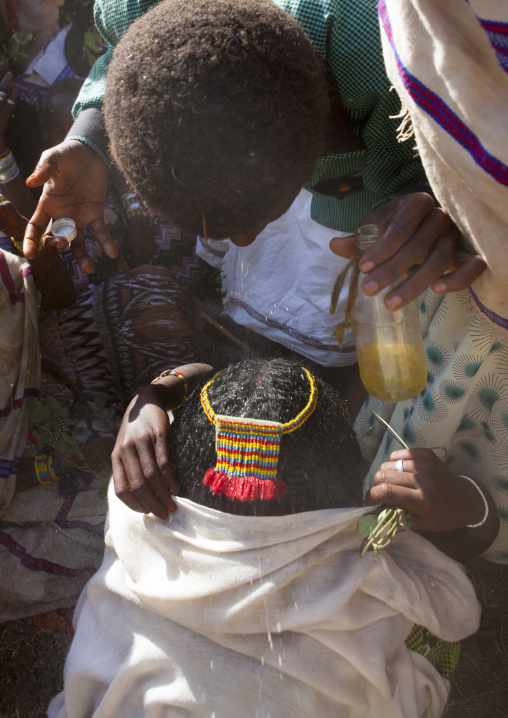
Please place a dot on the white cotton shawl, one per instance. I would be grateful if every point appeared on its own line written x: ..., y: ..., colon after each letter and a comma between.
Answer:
x: 438, y: 56
x: 210, y: 614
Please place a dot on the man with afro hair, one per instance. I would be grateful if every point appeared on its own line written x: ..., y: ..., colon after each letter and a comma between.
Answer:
x: 196, y: 107
x: 363, y: 173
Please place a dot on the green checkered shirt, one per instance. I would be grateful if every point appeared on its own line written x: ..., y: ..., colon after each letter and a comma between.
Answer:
x: 345, y: 33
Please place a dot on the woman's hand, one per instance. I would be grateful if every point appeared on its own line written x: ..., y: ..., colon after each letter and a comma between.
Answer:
x: 437, y: 499
x: 51, y: 276
x: 442, y: 505
x: 417, y: 234
x: 142, y: 472
x: 12, y: 223
x: 143, y: 475
x: 74, y: 178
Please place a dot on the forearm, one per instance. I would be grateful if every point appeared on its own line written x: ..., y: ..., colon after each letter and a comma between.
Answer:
x: 12, y: 184
x: 21, y: 197
x: 465, y: 543
x: 89, y: 129
x: 169, y: 391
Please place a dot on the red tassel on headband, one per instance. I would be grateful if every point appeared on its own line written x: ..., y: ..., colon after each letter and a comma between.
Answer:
x: 247, y: 457
x: 248, y: 452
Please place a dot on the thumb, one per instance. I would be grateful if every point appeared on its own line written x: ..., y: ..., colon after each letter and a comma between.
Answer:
x: 343, y: 246
x: 41, y: 174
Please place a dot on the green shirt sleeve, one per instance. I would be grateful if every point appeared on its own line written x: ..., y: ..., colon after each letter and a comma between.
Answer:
x: 112, y: 18
x: 345, y: 33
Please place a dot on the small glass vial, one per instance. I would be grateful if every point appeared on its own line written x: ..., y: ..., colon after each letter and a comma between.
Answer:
x: 389, y: 345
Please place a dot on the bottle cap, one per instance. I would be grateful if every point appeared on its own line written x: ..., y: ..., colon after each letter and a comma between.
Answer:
x: 64, y: 228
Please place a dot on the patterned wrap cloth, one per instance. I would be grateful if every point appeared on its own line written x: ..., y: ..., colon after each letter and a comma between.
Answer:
x: 20, y: 369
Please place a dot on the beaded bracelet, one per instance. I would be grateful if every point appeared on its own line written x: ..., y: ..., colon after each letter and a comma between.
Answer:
x: 485, y: 503
x: 19, y: 245
x: 135, y: 210
x: 45, y: 468
x: 172, y: 372
x: 132, y: 205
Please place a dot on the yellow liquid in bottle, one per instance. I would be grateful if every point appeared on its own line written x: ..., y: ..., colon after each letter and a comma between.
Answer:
x: 392, y: 372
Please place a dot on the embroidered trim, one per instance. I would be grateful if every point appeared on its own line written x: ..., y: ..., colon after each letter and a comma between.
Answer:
x: 496, y: 318
x: 17, y: 403
x: 211, y: 250
x: 7, y: 279
x: 40, y: 564
x: 497, y: 32
x: 303, y: 338
x: 439, y: 111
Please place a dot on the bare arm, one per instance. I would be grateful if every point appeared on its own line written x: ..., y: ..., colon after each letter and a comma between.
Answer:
x: 142, y: 471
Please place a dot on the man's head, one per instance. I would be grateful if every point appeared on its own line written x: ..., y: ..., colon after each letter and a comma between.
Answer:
x: 216, y: 109
x: 319, y: 462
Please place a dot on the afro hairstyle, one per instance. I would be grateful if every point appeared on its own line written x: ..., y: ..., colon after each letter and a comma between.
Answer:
x: 319, y: 462
x: 216, y: 108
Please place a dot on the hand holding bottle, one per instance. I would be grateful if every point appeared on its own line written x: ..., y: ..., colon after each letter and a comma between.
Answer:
x: 417, y: 233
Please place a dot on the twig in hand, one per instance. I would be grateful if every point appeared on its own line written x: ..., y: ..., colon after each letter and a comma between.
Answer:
x: 377, y: 530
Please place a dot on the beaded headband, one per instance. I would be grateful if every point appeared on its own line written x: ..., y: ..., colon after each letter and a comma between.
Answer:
x: 248, y: 451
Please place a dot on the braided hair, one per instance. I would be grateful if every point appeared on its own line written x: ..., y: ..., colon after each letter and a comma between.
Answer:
x: 319, y: 462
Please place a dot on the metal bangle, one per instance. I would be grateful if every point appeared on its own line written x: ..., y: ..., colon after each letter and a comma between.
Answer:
x: 485, y: 503
x: 7, y: 177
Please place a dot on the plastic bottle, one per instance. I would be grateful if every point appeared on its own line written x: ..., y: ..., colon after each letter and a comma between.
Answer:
x: 389, y: 344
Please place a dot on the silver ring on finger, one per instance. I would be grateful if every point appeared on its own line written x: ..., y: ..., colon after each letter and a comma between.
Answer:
x: 3, y: 96
x: 11, y: 102
x: 399, y: 465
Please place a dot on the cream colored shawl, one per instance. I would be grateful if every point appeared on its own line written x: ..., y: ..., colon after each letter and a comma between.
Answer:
x: 441, y: 56
x: 210, y: 614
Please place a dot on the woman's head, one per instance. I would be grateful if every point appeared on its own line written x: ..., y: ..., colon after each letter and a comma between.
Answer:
x: 216, y: 109
x: 319, y: 462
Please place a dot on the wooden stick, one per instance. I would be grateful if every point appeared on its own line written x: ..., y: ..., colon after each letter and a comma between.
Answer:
x: 226, y: 333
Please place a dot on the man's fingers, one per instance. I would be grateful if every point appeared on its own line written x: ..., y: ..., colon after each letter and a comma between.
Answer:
x: 103, y: 237
x: 145, y: 480
x: 431, y: 246
x: 389, y: 474
x: 80, y: 253
x: 158, y: 469
x: 401, y: 218
x: 343, y: 246
x: 164, y: 461
x: 34, y: 231
x: 403, y: 497
x: 418, y: 281
x: 469, y: 268
x: 52, y: 244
